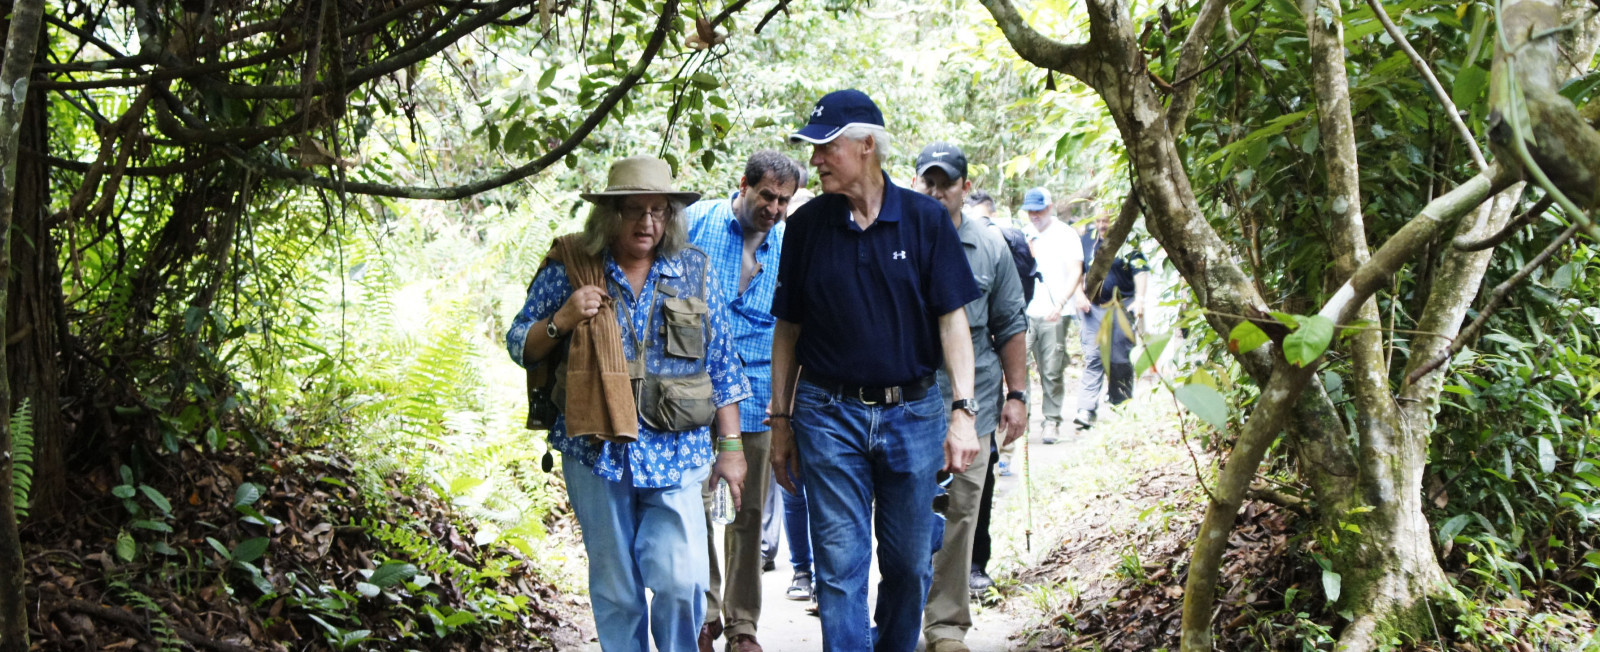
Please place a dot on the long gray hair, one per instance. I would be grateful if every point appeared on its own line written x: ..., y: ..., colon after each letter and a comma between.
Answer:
x: 605, y: 222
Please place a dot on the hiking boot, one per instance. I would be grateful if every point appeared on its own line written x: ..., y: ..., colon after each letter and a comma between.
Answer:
x: 948, y: 645
x: 1052, y: 432
x: 979, y: 581
x: 709, y: 633
x: 799, y: 587
x: 743, y: 643
x: 768, y: 564
x: 1084, y: 420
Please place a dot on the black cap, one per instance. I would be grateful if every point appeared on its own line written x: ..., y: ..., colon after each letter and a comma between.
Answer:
x: 948, y: 157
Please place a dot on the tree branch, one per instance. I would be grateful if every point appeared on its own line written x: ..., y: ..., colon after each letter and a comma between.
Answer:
x: 1189, y: 59
x: 1411, y: 238
x: 1110, y: 242
x: 1497, y: 297
x: 1071, y: 58
x: 1417, y: 62
x: 612, y: 97
x: 1509, y: 230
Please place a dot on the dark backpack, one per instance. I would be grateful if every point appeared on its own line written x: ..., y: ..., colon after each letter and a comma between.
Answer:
x: 1022, y: 255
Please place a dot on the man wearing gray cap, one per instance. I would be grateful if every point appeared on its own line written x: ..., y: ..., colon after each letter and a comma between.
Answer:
x: 997, y: 324
x: 1060, y: 255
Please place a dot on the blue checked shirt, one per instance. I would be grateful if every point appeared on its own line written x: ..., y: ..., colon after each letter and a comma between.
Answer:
x: 658, y: 458
x: 715, y: 229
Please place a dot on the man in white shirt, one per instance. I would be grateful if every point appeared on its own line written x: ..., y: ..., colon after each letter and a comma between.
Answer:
x: 1059, y: 253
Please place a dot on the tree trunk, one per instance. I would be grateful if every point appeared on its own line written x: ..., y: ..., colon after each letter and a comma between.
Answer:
x: 22, y: 37
x: 34, y: 316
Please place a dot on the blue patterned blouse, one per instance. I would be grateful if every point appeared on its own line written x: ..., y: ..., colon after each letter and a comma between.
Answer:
x: 658, y: 458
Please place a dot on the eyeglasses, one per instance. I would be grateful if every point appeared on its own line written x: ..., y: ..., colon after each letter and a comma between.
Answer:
x: 634, y: 213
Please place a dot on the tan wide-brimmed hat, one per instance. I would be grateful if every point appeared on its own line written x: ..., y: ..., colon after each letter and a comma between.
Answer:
x: 640, y: 175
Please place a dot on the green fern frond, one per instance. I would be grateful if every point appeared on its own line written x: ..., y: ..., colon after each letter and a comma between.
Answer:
x: 22, y: 457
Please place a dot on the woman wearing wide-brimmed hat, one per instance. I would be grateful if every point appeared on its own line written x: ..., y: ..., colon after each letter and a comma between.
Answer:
x: 644, y: 366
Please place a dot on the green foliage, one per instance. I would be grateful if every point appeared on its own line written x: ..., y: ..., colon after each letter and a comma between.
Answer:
x: 21, y: 457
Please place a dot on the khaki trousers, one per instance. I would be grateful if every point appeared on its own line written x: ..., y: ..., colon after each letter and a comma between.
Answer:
x: 738, y: 599
x: 1048, y: 343
x: 948, y: 613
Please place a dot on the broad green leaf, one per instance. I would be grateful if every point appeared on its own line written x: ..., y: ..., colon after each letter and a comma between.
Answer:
x: 1469, y: 85
x: 548, y: 77
x: 247, y: 494
x: 125, y: 546
x: 1153, y: 348
x: 705, y: 80
x: 1273, y: 128
x: 1102, y: 339
x: 155, y: 526
x: 1452, y: 527
x: 1332, y: 382
x: 1331, y: 583
x: 156, y: 498
x: 123, y: 491
x: 1206, y: 403
x: 1309, y: 341
x: 367, y: 589
x: 221, y: 549
x: 250, y: 550
x: 1246, y: 337
x: 459, y: 619
x: 1547, y: 455
x: 392, y: 573
x: 1562, y: 279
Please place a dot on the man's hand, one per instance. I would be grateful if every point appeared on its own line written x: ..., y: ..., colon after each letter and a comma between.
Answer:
x: 1013, y: 420
x: 731, y: 467
x: 1053, y: 317
x: 785, y: 459
x: 1083, y: 302
x: 1137, y: 308
x: 960, y: 444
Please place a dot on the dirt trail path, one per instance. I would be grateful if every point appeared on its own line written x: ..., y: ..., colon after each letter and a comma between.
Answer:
x: 785, y: 626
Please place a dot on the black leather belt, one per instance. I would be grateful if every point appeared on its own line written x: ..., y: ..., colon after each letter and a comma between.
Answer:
x: 872, y: 395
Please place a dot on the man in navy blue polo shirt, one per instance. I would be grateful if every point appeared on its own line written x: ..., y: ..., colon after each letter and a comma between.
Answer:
x: 871, y: 289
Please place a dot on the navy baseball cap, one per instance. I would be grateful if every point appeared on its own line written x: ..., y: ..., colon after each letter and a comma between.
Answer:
x: 946, y: 157
x: 834, y: 112
x: 1037, y: 199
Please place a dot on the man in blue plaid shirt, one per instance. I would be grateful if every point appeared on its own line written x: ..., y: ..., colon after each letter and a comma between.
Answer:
x: 743, y: 235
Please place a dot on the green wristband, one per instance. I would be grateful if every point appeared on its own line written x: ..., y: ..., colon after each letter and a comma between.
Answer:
x: 730, y: 446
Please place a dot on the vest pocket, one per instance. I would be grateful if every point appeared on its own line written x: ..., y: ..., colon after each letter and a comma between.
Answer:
x: 674, y: 404
x: 685, y: 327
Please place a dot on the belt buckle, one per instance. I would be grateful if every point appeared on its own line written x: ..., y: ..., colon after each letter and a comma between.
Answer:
x: 892, y: 395
x: 861, y: 395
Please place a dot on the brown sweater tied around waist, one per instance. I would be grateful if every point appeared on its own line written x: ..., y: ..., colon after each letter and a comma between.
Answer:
x: 599, y: 393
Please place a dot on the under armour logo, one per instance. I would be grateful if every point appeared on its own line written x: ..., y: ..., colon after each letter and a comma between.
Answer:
x: 817, y: 111
x: 900, y: 255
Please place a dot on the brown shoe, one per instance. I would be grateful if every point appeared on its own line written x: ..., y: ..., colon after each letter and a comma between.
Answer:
x: 709, y: 633
x: 743, y: 643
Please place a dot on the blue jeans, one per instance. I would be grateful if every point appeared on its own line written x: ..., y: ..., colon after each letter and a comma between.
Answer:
x: 796, y: 528
x: 857, y: 457
x: 639, y: 539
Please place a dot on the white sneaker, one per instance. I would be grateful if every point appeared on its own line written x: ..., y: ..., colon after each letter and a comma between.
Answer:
x: 1052, y: 432
x: 1084, y: 420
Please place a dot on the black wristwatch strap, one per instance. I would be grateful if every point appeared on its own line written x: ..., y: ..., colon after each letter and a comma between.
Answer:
x: 1017, y: 395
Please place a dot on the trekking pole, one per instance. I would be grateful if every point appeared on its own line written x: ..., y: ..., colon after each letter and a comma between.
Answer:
x: 1027, y: 479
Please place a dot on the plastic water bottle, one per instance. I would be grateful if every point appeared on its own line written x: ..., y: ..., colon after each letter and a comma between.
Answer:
x: 722, y: 511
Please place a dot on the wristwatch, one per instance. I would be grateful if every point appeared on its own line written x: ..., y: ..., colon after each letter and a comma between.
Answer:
x: 967, y: 404
x: 551, y: 330
x: 1017, y: 395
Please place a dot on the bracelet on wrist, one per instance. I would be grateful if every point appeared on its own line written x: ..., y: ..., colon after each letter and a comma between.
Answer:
x: 733, y: 445
x: 1017, y: 395
x: 780, y: 415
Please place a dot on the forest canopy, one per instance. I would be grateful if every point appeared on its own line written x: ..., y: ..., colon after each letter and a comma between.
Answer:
x: 240, y: 226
